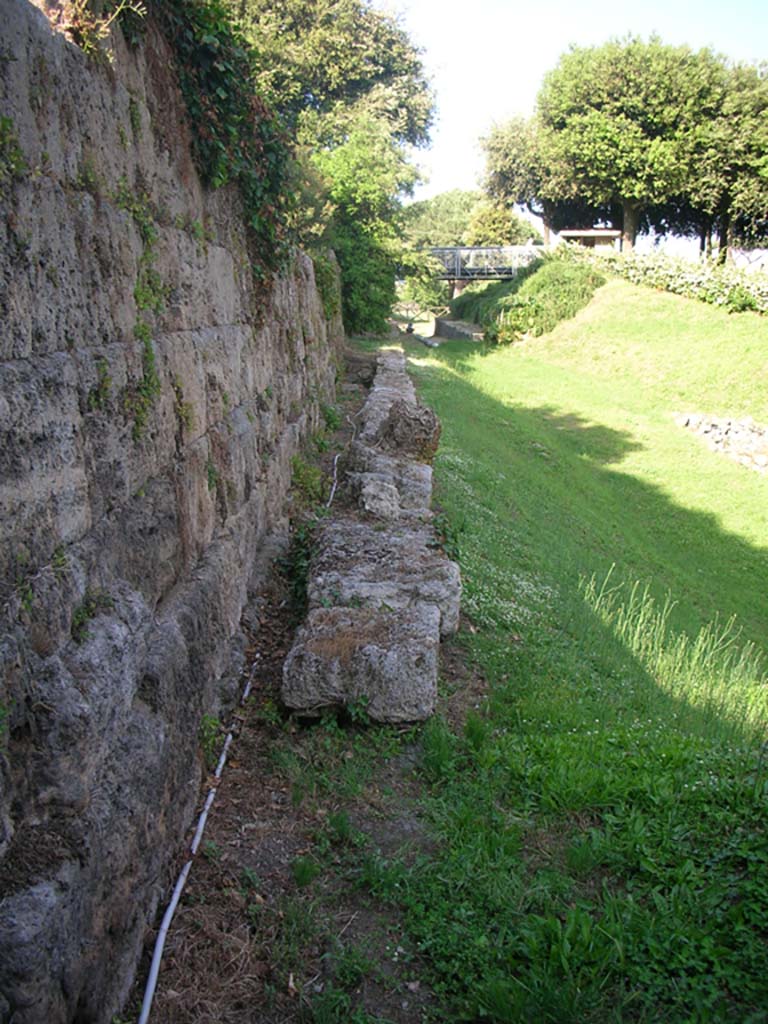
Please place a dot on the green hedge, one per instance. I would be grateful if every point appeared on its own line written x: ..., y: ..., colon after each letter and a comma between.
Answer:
x: 736, y: 290
x: 540, y: 297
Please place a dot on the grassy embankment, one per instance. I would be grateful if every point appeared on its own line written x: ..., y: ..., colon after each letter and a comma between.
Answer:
x: 603, y: 853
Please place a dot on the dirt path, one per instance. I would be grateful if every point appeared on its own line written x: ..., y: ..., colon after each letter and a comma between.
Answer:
x: 279, y: 921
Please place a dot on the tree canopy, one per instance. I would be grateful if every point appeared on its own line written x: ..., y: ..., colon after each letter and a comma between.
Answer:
x: 460, y: 217
x: 441, y: 220
x: 636, y: 131
x: 351, y: 87
x: 317, y: 59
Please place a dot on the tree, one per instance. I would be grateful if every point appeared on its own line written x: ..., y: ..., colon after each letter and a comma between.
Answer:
x: 440, y: 221
x: 320, y: 58
x: 351, y: 87
x: 617, y: 118
x: 522, y: 169
x: 364, y: 176
x: 642, y: 134
x: 728, y: 189
x: 493, y: 224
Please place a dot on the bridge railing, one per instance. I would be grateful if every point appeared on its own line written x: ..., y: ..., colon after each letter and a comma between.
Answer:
x: 476, y: 263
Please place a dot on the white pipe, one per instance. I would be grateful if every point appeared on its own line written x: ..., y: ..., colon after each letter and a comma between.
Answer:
x: 335, y: 478
x: 201, y: 821
x: 157, y: 955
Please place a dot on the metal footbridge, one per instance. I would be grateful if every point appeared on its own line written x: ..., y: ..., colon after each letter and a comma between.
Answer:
x: 472, y: 263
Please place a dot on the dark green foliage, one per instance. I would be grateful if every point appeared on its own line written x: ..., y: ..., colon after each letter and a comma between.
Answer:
x: 305, y: 870
x: 534, y: 303
x: 331, y: 416
x: 365, y: 175
x: 324, y: 61
x: 295, y: 565
x: 479, y: 302
x: 307, y: 480
x: 327, y: 281
x: 368, y: 278
x: 237, y: 138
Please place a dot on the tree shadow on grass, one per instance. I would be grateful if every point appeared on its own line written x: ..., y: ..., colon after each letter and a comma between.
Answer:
x: 551, y: 473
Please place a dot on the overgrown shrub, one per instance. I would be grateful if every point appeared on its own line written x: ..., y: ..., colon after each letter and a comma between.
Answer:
x: 368, y: 277
x: 537, y: 300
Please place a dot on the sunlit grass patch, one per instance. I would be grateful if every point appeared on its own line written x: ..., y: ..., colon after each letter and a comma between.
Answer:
x: 601, y: 822
x: 713, y: 676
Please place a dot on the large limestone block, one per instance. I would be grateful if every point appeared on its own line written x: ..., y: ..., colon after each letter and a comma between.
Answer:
x: 409, y: 429
x: 391, y: 384
x: 384, y: 659
x: 397, y: 567
x: 371, y: 470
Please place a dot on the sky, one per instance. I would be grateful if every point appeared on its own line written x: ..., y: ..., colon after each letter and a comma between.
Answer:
x: 486, y: 58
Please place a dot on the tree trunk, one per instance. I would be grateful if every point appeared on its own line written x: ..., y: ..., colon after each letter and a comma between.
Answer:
x: 723, y: 239
x: 630, y: 223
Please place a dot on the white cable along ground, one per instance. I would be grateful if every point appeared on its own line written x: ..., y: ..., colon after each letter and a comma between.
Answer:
x: 157, y: 956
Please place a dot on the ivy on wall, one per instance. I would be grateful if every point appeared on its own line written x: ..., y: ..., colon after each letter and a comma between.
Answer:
x: 237, y: 137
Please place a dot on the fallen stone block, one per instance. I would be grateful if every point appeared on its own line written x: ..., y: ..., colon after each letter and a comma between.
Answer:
x: 409, y: 429
x: 397, y: 567
x: 370, y: 470
x: 387, y: 661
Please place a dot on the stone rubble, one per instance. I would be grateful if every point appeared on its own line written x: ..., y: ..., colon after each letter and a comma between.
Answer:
x: 742, y: 440
x: 381, y: 592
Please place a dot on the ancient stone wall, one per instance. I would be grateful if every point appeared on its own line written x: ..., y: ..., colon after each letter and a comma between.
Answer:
x: 151, y: 399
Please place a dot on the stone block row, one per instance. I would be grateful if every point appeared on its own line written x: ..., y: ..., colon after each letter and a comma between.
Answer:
x: 381, y: 592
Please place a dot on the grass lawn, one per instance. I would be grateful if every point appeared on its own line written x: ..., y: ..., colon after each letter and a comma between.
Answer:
x: 603, y: 853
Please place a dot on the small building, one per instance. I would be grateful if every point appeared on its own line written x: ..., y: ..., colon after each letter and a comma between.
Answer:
x: 592, y: 238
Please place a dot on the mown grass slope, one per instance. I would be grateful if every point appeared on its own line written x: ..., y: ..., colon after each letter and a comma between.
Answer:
x: 603, y: 852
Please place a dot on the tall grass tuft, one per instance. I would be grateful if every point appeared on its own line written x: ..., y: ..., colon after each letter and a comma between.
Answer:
x: 720, y: 684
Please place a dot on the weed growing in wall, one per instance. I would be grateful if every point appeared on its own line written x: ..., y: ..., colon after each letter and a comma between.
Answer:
x: 89, y: 28
x: 98, y: 396
x: 212, y: 474
x: 150, y: 294
x: 88, y: 179
x: 185, y: 413
x: 307, y: 480
x: 12, y: 162
x: 149, y: 387
x: 134, y: 116
x: 327, y: 281
x: 95, y: 601
x: 209, y: 734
